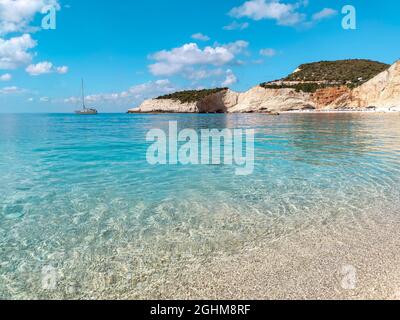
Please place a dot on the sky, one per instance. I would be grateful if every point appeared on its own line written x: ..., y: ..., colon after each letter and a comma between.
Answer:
x: 128, y: 51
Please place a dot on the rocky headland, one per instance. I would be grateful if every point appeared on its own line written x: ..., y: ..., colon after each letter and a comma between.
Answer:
x: 346, y: 85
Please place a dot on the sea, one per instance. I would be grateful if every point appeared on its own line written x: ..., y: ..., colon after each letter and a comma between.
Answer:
x: 83, y: 214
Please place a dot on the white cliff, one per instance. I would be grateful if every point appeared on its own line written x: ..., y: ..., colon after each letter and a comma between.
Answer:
x: 257, y: 99
x: 166, y: 106
x: 382, y: 91
x: 215, y: 103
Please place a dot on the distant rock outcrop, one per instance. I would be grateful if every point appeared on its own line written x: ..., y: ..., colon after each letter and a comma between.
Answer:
x: 382, y: 91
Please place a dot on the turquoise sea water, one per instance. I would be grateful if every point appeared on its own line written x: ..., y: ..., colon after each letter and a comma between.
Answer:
x: 79, y: 200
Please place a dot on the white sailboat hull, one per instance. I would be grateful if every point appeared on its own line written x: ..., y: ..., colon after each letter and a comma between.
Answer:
x: 86, y: 112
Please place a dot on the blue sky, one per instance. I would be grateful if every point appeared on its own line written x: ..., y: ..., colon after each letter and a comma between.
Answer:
x: 131, y: 50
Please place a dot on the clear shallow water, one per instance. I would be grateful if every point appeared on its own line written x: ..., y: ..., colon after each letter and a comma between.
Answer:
x: 78, y: 197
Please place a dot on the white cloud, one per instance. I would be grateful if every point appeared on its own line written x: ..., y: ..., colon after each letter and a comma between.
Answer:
x: 44, y: 99
x: 10, y: 90
x: 165, y: 69
x: 285, y: 14
x: 16, y: 15
x: 5, y: 77
x: 152, y: 88
x: 180, y: 59
x: 133, y: 95
x: 62, y: 70
x: 45, y: 67
x: 40, y: 68
x: 230, y: 78
x: 236, y: 26
x: 200, y: 36
x: 258, y: 61
x: 15, y: 51
x: 236, y: 47
x: 268, y: 52
x: 323, y: 14
x: 203, y: 74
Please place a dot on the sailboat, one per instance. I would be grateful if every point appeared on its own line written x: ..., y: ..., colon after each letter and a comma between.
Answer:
x: 85, y: 111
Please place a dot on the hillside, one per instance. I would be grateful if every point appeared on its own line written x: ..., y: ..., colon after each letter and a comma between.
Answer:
x: 318, y: 75
x: 191, y: 95
x: 332, y: 91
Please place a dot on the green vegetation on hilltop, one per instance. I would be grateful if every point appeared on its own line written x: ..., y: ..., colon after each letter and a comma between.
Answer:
x: 309, y: 87
x: 191, y: 95
x: 352, y: 73
x: 340, y: 71
x: 310, y: 78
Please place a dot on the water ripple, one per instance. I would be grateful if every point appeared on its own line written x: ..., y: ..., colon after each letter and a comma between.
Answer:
x: 78, y: 195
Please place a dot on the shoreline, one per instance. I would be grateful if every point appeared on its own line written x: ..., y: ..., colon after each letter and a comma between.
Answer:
x: 378, y: 111
x: 386, y: 110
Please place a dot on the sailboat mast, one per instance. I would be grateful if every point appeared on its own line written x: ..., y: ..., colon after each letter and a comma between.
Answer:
x: 83, y: 97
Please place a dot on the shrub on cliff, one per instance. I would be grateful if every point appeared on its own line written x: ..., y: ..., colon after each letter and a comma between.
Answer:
x: 309, y: 87
x: 191, y: 95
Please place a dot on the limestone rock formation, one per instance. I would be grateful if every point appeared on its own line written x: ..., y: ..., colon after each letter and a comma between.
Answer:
x: 326, y: 98
x: 259, y: 99
x: 383, y: 91
x: 380, y: 92
x: 218, y: 102
x: 165, y: 106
